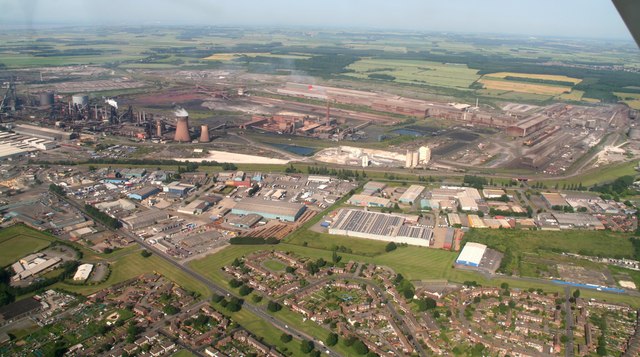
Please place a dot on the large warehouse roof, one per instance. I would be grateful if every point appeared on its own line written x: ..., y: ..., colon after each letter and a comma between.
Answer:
x: 471, y: 254
x: 266, y: 206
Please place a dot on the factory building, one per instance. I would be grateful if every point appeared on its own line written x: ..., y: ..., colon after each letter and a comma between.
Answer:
x: 143, y: 193
x: 33, y: 264
x: 42, y: 133
x: 554, y: 199
x: 471, y: 255
x: 493, y: 193
x: 467, y: 204
x: 283, y: 211
x: 380, y: 226
x: 372, y: 187
x: 177, y: 188
x: 83, y: 272
x: 411, y: 195
x: 369, y: 201
x: 246, y: 222
x: 195, y: 207
x: 145, y: 219
x: 528, y: 126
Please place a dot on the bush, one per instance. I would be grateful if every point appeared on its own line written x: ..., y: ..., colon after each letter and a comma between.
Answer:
x: 360, y: 348
x: 145, y: 253
x: 217, y: 298
x: 332, y: 339
x: 286, y: 338
x: 245, y: 290
x: 274, y: 306
x: 391, y: 246
x: 306, y: 346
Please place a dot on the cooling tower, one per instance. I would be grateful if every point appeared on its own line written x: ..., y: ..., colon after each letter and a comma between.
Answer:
x: 182, y: 130
x: 414, y: 159
x: 159, y: 128
x: 204, y: 134
x: 424, y: 154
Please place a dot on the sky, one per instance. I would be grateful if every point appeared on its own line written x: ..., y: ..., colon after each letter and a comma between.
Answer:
x: 557, y: 18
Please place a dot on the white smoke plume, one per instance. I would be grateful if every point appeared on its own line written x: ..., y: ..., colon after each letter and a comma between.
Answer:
x: 112, y: 103
x: 180, y: 112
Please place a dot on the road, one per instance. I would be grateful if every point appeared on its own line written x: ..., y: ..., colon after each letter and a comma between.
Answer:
x: 397, y: 317
x: 569, y: 322
x: 216, y: 289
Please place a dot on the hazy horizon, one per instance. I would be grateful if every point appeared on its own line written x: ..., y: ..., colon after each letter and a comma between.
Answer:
x: 543, y: 18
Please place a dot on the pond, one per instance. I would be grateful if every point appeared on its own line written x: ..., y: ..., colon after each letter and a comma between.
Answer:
x: 298, y: 150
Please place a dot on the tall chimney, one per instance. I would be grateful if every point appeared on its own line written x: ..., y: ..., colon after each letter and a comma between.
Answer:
x: 182, y: 129
x: 204, y: 134
x: 159, y: 128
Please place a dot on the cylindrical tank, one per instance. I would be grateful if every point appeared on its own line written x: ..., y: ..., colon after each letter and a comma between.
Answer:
x: 81, y: 100
x: 46, y: 99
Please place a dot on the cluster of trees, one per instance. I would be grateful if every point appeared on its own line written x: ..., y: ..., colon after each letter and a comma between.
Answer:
x: 636, y: 247
x: 563, y: 208
x: 426, y: 304
x: 573, y: 187
x: 619, y: 187
x: 342, y: 174
x: 404, y: 286
x: 233, y: 304
x: 476, y: 182
x: 102, y: 217
x: 57, y: 189
x: 314, y: 267
x: 253, y: 240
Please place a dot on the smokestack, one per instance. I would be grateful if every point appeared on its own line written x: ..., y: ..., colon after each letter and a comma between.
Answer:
x: 182, y: 126
x: 328, y: 112
x: 204, y: 134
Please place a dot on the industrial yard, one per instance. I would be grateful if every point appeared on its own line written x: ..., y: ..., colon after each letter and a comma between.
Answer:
x: 226, y: 191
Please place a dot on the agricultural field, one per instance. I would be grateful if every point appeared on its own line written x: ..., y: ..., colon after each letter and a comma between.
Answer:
x: 544, y: 77
x: 233, y: 56
x: 456, y: 76
x: 574, y: 95
x: 630, y: 99
x: 533, y: 88
x: 18, y: 241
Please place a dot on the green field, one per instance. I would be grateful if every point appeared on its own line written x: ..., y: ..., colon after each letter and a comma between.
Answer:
x: 132, y: 265
x: 18, y: 241
x: 600, y: 175
x: 274, y: 265
x: 183, y: 353
x: 417, y: 72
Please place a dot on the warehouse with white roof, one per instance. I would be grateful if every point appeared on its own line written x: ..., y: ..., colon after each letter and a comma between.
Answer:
x: 471, y: 254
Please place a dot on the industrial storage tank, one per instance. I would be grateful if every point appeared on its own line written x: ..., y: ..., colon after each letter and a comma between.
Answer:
x: 81, y: 100
x: 46, y: 99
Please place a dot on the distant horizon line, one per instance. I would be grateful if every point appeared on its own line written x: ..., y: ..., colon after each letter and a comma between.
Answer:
x: 54, y: 25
